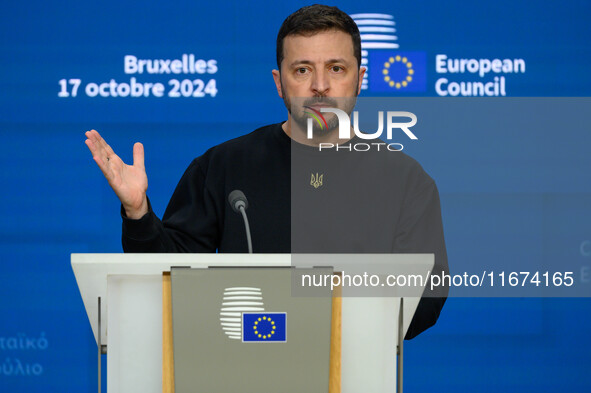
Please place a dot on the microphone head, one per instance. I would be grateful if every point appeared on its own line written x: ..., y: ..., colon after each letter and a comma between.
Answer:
x: 237, y: 199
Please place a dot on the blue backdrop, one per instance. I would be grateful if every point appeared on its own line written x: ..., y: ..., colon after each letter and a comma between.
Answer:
x: 56, y: 56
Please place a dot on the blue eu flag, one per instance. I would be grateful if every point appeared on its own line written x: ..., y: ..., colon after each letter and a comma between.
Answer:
x: 397, y: 72
x: 264, y: 327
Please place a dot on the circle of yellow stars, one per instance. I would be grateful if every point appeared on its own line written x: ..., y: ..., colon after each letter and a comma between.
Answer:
x: 409, y: 72
x: 256, y: 326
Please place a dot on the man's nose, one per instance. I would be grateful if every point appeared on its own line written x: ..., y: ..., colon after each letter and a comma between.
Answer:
x: 320, y: 83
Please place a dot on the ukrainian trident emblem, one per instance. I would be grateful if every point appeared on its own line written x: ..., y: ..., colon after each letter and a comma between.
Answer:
x: 316, y: 181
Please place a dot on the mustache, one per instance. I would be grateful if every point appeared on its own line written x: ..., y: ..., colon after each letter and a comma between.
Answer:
x: 320, y: 100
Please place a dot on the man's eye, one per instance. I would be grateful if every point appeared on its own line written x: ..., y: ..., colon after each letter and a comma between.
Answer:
x: 337, y: 69
x: 302, y: 70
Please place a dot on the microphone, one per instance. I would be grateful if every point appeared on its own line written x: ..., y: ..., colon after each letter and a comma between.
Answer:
x: 239, y: 204
x: 237, y: 200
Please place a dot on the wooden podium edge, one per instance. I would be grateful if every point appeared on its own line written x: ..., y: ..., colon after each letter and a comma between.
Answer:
x: 167, y: 344
x: 334, y: 374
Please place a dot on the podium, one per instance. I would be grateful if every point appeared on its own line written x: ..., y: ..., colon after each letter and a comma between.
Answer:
x: 123, y: 297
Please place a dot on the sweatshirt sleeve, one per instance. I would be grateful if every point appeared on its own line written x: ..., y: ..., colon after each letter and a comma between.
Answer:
x: 189, y: 223
x: 421, y: 231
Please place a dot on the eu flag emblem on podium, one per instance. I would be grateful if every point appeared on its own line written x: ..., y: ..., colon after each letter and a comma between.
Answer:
x: 264, y: 327
x: 397, y: 72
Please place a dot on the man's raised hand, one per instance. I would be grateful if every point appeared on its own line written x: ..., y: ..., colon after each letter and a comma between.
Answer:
x: 129, y: 182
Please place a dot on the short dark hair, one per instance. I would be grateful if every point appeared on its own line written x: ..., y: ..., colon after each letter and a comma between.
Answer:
x: 314, y: 19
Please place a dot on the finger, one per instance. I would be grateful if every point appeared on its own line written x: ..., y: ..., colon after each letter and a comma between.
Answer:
x: 96, y: 155
x: 94, y: 136
x: 106, y: 146
x: 95, y: 145
x: 103, y: 149
x: 138, y: 155
x: 100, y: 156
x: 98, y: 151
x: 100, y: 141
x: 92, y: 147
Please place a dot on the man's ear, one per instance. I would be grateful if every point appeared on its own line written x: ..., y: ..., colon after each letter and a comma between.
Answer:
x: 277, y: 79
x: 361, y: 74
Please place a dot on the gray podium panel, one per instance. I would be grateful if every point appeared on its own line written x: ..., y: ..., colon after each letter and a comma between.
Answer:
x: 240, y: 330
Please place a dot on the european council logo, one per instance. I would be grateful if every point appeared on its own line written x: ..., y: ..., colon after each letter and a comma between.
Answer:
x: 236, y: 301
x: 264, y: 327
x: 397, y: 72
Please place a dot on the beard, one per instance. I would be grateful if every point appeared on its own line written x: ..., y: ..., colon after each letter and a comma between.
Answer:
x: 300, y: 114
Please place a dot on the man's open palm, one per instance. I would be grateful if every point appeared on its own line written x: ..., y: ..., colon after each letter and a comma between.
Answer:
x: 129, y: 182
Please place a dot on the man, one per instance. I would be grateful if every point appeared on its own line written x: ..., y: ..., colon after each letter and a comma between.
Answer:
x: 318, y: 59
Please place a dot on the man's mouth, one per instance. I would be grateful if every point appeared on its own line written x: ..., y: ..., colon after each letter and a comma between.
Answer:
x: 318, y: 105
